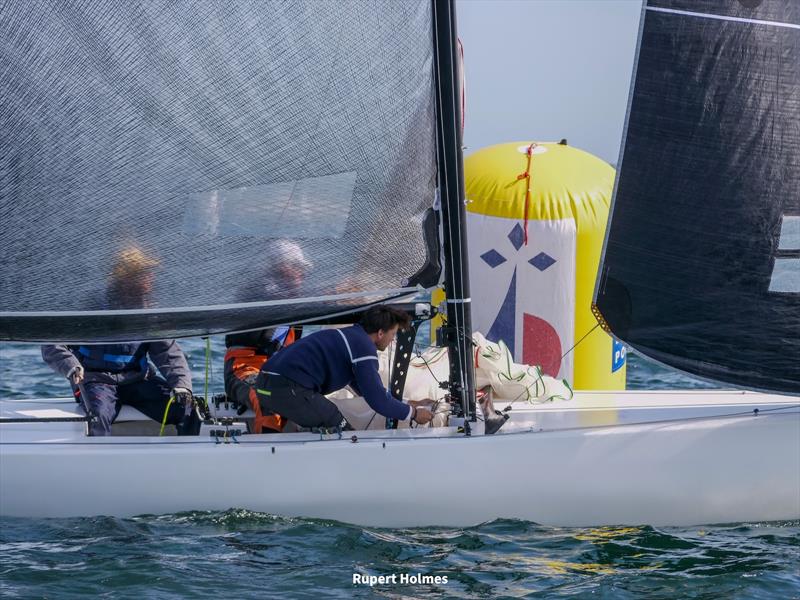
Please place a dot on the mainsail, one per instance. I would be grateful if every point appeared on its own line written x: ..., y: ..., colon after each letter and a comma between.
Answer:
x: 202, y: 134
x: 701, y: 267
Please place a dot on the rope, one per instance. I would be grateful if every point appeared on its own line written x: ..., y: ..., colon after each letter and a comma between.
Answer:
x: 527, y: 175
x: 166, y: 410
x: 579, y: 341
x: 427, y: 364
x: 208, y: 367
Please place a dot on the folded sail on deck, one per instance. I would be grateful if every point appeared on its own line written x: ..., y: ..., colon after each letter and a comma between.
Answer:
x: 701, y: 265
x: 202, y: 135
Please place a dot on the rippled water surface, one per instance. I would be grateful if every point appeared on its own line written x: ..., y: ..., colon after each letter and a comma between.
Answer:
x: 238, y: 554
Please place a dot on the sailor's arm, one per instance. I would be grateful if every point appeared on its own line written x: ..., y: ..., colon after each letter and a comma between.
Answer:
x: 171, y: 362
x: 62, y: 361
x: 368, y: 383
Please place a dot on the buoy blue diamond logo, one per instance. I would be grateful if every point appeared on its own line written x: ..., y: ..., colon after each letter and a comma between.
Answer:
x: 493, y: 258
x: 517, y: 237
x: 542, y: 261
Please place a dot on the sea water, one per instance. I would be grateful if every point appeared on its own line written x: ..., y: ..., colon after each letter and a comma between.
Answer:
x: 240, y: 554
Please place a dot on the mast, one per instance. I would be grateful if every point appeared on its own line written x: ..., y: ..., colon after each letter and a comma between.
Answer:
x: 458, y: 333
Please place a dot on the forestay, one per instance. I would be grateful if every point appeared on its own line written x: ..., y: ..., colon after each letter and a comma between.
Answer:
x: 701, y: 264
x: 201, y: 133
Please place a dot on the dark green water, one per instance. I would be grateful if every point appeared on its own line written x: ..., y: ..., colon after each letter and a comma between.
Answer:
x: 237, y: 554
x: 246, y: 555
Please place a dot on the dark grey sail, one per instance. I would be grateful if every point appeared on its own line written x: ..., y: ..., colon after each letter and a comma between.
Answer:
x: 701, y: 266
x: 199, y: 137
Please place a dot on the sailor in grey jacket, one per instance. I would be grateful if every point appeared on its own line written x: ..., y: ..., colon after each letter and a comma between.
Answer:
x: 105, y: 377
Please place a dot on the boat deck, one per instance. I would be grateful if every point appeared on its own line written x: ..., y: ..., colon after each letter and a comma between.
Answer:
x: 585, y: 410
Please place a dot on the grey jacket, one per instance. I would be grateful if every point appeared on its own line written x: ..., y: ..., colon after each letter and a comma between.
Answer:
x: 121, y: 364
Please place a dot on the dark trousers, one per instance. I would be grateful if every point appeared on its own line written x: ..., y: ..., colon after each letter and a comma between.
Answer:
x: 242, y: 367
x: 150, y: 397
x: 292, y: 401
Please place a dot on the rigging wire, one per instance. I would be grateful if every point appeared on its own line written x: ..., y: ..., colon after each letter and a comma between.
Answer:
x: 208, y: 367
x: 418, y: 354
x: 575, y: 345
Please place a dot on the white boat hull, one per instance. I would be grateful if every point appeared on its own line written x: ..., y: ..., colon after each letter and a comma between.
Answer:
x: 659, y: 458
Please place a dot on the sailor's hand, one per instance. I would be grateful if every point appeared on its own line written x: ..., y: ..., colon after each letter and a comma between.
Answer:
x: 75, y: 375
x: 422, y: 415
x: 183, y: 396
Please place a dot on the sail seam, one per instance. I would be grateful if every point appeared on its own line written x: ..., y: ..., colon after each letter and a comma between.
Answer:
x: 723, y: 17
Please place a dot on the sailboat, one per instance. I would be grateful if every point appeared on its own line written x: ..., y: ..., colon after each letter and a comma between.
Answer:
x: 206, y: 134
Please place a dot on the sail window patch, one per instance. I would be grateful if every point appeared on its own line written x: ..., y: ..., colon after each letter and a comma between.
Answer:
x: 790, y: 234
x: 317, y: 206
x: 786, y: 272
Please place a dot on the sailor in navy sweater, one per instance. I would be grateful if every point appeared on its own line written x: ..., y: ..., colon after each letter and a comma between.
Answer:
x: 293, y: 382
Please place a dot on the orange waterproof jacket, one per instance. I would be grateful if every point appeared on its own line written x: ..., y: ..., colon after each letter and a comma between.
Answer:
x: 247, y: 362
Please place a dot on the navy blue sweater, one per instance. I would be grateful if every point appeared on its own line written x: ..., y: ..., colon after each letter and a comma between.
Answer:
x: 329, y: 360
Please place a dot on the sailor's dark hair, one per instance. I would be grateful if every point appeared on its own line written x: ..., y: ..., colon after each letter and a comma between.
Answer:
x: 384, y: 317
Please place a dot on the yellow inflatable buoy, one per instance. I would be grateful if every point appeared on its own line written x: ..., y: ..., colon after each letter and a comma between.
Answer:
x: 536, y: 218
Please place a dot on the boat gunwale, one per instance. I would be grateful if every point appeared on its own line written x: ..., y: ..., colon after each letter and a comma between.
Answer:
x: 399, y: 435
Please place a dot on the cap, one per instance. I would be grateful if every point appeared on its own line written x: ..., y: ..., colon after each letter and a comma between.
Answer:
x: 132, y: 261
x: 291, y: 253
